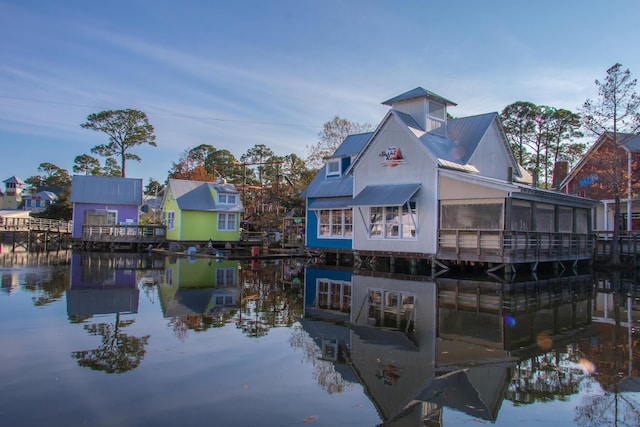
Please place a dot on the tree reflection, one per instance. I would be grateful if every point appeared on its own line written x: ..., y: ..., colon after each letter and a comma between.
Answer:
x: 118, y: 352
x: 324, y: 372
x: 616, y: 355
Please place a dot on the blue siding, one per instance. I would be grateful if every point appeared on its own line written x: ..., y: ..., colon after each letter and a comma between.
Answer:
x: 311, y: 275
x: 322, y: 243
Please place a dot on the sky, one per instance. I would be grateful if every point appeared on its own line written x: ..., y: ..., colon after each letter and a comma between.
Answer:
x: 234, y: 74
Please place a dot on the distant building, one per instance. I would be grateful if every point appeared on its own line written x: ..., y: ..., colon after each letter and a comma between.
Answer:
x: 12, y: 196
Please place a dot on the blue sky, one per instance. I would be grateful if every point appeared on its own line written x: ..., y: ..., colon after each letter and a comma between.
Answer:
x: 234, y: 74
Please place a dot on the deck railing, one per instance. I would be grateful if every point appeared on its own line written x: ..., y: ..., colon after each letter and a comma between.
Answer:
x: 133, y: 233
x: 513, y: 246
x: 35, y: 224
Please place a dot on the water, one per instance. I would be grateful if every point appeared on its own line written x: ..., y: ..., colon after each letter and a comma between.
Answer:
x: 132, y: 340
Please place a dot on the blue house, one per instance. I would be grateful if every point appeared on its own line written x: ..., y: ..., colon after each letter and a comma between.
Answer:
x: 328, y: 197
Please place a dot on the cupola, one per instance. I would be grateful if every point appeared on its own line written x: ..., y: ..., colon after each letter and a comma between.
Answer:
x: 428, y: 109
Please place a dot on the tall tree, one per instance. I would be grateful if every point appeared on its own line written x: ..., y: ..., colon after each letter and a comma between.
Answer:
x: 86, y: 164
x: 331, y: 136
x: 126, y: 129
x: 616, y: 112
x: 518, y: 121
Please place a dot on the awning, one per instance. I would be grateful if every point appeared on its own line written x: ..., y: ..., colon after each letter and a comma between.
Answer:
x: 330, y: 203
x: 385, y: 195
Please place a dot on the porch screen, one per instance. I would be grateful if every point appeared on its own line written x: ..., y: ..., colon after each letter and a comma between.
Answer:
x: 472, y: 216
x: 565, y: 220
x: 544, y: 218
x: 582, y: 221
x: 520, y: 215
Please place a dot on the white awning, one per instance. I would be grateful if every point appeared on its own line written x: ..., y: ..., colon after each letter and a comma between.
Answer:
x: 385, y: 195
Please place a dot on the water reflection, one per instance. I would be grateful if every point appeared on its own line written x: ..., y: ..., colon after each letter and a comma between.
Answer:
x: 413, y: 350
x: 420, y: 347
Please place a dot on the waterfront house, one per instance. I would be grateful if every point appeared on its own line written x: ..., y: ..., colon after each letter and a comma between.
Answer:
x: 104, y: 201
x: 425, y: 186
x: 592, y: 177
x: 196, y: 211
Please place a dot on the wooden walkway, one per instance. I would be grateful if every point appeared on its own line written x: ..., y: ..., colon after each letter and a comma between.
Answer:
x: 39, y: 233
x: 629, y: 242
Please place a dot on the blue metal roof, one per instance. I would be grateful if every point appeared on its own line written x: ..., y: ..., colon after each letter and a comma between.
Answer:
x: 330, y: 203
x: 385, y: 195
x: 352, y: 144
x: 632, y: 144
x: 106, y: 190
x: 417, y: 93
x: 337, y: 186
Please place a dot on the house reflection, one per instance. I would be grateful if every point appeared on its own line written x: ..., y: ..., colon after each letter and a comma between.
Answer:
x: 419, y: 345
x: 101, y: 284
x: 198, y: 286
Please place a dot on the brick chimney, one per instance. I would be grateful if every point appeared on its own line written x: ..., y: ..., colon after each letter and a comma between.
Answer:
x: 560, y: 172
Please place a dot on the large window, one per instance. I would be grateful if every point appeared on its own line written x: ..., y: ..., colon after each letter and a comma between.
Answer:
x: 391, y: 309
x: 226, y: 221
x: 334, y: 295
x: 100, y: 217
x: 225, y: 276
x: 393, y: 222
x: 335, y: 223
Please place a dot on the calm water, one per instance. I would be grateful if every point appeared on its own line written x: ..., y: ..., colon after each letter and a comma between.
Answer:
x: 132, y: 340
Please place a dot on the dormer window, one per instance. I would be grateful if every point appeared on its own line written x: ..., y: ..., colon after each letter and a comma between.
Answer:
x: 227, y: 198
x: 333, y: 167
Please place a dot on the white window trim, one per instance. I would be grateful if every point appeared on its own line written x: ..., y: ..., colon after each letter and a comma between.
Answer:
x: 171, y: 220
x: 227, y: 215
x: 331, y: 235
x: 336, y: 162
x: 400, y: 237
x: 226, y: 198
x: 343, y: 285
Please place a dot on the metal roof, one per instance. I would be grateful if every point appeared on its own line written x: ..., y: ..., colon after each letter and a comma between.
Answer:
x: 106, y: 190
x: 13, y: 179
x: 385, y: 195
x: 417, y: 93
x: 337, y: 186
x: 330, y: 203
x: 201, y: 196
x: 632, y: 144
x: 352, y: 144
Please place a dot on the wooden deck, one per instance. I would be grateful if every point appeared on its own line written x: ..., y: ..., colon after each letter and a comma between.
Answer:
x: 513, y: 247
x: 127, y: 235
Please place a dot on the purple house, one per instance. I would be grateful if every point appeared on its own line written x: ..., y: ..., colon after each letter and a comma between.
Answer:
x: 104, y: 200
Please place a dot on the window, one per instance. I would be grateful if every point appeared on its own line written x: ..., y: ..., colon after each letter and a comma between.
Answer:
x: 391, y: 309
x: 227, y: 198
x: 100, y: 217
x: 393, y: 222
x: 335, y: 223
x: 225, y: 276
x: 226, y: 221
x: 333, y: 167
x: 171, y: 215
x: 334, y: 295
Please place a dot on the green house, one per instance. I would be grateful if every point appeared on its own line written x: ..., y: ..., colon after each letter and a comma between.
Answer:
x: 196, y: 211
